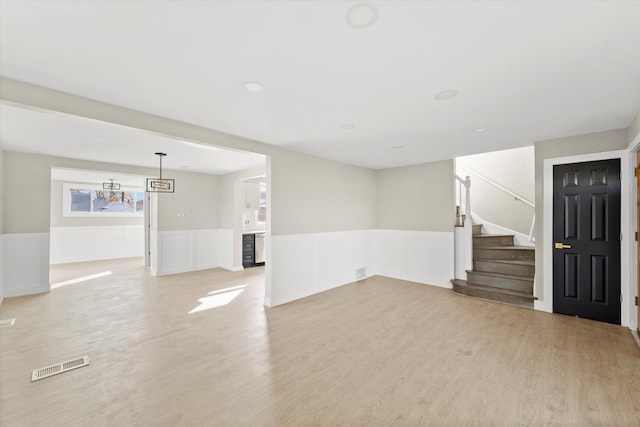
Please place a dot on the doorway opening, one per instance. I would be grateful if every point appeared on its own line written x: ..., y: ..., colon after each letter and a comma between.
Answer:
x: 94, y: 216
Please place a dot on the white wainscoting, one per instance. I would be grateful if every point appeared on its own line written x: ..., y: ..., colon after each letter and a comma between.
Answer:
x: 77, y: 244
x: 25, y: 264
x: 1, y: 272
x: 188, y: 250
x: 418, y: 256
x: 227, y: 248
x: 306, y: 264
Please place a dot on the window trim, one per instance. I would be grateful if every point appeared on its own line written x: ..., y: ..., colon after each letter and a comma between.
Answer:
x: 66, y: 201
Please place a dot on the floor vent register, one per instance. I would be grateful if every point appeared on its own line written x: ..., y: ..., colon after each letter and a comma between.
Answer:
x: 59, y: 368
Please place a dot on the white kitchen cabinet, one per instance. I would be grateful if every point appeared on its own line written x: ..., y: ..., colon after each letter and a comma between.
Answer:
x: 252, y: 195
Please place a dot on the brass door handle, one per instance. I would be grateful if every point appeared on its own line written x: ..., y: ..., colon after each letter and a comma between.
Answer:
x: 562, y: 246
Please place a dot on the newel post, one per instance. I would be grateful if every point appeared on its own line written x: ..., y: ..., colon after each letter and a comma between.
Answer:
x: 468, y: 227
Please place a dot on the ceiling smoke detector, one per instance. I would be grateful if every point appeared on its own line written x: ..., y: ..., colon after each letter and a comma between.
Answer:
x: 361, y: 15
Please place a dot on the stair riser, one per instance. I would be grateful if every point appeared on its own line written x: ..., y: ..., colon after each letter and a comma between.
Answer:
x: 476, y: 229
x: 515, y: 254
x: 479, y: 242
x: 501, y: 282
x: 509, y: 299
x: 497, y: 267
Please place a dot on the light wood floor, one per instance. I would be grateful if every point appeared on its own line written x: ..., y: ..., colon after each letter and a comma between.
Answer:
x: 374, y: 353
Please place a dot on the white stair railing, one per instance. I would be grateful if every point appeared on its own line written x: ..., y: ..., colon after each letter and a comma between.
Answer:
x: 506, y: 190
x: 466, y: 206
x: 463, y: 235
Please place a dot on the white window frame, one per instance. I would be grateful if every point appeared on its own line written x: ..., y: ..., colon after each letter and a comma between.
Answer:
x: 66, y: 202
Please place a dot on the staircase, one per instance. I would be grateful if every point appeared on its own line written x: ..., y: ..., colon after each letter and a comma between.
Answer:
x: 501, y: 271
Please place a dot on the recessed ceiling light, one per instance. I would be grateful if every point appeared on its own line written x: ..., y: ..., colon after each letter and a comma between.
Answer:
x: 347, y: 126
x: 446, y: 94
x: 398, y: 147
x: 361, y: 15
x: 253, y: 86
x: 480, y: 130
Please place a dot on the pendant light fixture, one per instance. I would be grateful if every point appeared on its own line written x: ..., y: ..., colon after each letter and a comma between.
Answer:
x: 160, y: 185
x: 110, y: 185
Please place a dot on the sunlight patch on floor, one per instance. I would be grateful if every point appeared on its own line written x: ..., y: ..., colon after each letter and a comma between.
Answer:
x: 218, y: 298
x: 81, y: 279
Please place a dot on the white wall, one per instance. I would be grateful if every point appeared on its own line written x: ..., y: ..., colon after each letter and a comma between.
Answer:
x: 1, y: 191
x: 306, y: 264
x: 77, y: 244
x: 565, y: 147
x: 306, y: 194
x: 418, y: 197
x: 578, y: 148
x: 513, y: 170
x: 25, y: 263
x: 633, y: 131
x: 418, y: 256
x: 188, y: 250
x: 1, y: 222
x: 412, y: 238
x: 193, y: 206
x: 313, y: 195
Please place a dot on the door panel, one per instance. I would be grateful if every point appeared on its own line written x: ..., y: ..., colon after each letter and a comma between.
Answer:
x: 638, y: 232
x: 586, y: 232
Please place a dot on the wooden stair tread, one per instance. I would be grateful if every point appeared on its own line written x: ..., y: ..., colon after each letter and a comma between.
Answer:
x: 502, y: 275
x: 517, y: 248
x: 525, y: 262
x: 464, y: 283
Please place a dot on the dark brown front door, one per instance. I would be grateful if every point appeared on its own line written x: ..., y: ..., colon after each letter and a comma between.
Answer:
x: 586, y: 239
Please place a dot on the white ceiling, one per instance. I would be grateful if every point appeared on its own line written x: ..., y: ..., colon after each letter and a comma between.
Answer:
x: 62, y: 135
x: 127, y: 181
x: 527, y: 70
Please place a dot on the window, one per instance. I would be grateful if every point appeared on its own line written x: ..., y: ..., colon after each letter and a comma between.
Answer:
x: 85, y: 200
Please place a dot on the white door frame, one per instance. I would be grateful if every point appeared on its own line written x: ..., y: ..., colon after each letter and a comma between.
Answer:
x: 147, y: 229
x: 546, y: 303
